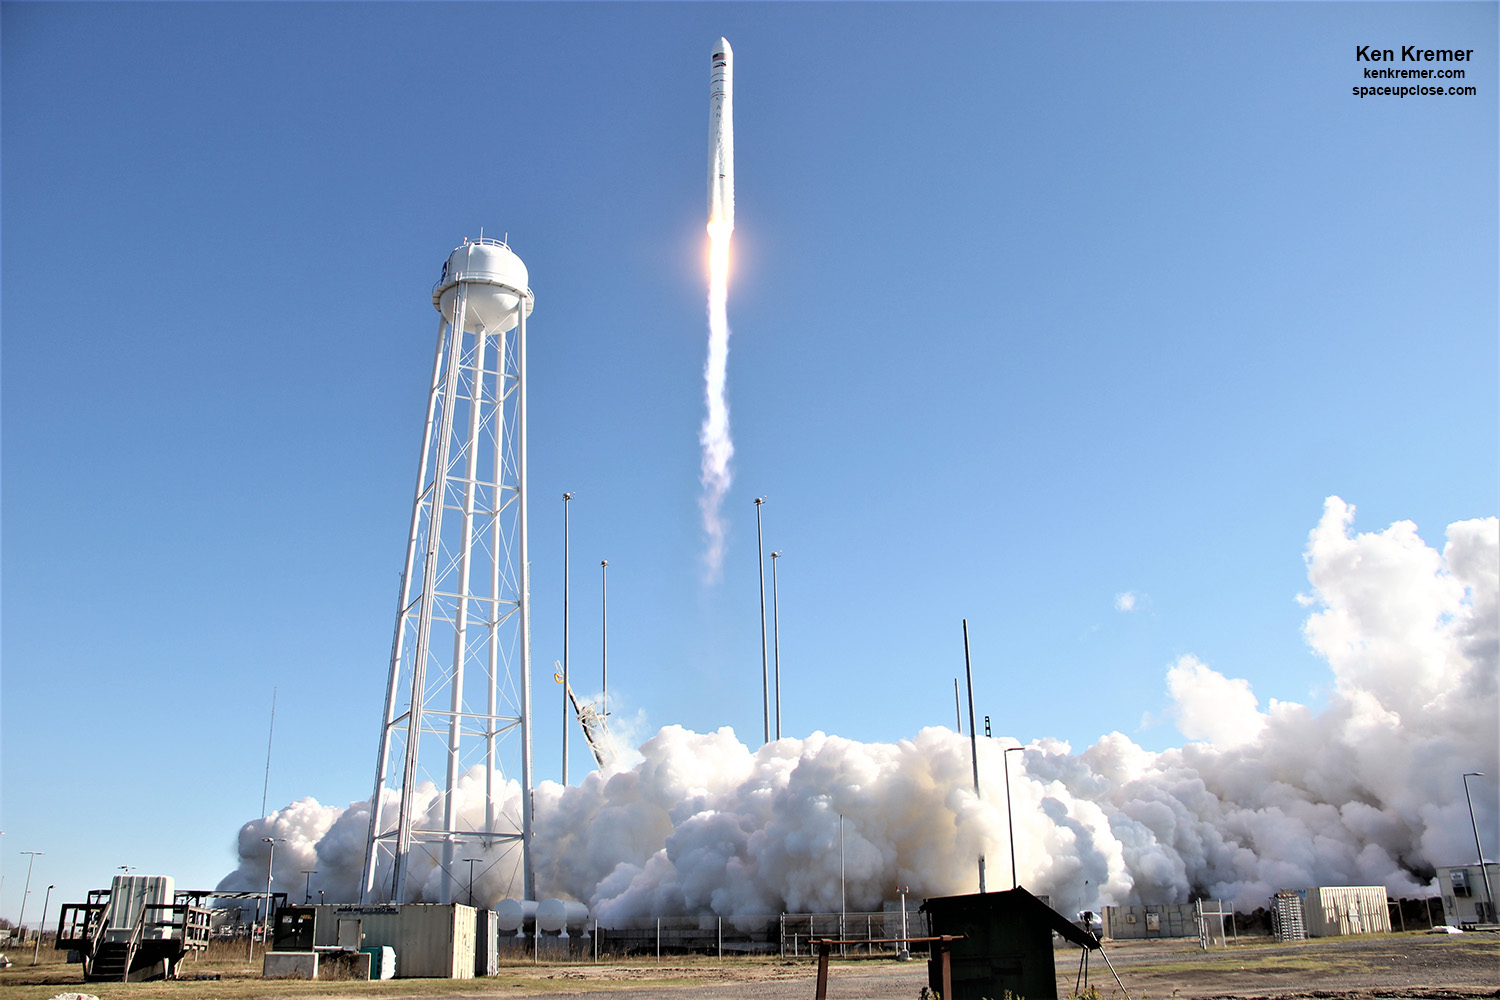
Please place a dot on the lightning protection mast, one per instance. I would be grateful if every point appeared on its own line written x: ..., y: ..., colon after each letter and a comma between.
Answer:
x: 453, y: 776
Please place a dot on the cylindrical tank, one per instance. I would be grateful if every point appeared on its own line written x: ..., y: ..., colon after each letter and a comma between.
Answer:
x: 512, y: 915
x: 555, y: 916
x: 496, y: 282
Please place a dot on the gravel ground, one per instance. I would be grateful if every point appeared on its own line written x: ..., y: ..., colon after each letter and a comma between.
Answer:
x: 1381, y: 967
x: 1419, y: 966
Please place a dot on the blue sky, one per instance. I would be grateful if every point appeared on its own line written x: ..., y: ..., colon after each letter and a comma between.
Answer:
x: 1033, y: 305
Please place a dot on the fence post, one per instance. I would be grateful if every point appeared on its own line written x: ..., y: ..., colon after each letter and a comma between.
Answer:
x: 721, y: 938
x: 658, y: 940
x: 596, y: 940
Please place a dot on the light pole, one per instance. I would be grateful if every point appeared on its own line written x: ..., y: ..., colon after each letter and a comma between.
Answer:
x: 265, y: 927
x: 973, y: 739
x: 776, y: 638
x: 843, y: 897
x: 471, y: 862
x: 604, y: 633
x: 1009, y: 822
x: 36, y: 953
x: 21, y: 920
x: 567, y: 561
x: 765, y: 671
x: 307, y: 893
x: 905, y: 952
x: 1484, y: 872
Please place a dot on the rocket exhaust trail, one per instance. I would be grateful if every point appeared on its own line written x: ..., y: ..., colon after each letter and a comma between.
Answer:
x: 714, y: 437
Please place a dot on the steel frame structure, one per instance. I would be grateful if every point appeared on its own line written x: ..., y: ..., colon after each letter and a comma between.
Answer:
x: 459, y: 682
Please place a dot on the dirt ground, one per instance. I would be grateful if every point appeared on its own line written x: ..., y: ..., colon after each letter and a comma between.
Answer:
x: 1377, y: 967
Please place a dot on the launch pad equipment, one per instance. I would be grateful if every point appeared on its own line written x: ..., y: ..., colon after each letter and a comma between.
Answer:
x: 1001, y: 942
x: 595, y: 727
x: 135, y: 930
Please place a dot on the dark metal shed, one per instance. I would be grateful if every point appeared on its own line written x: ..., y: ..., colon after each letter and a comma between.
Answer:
x: 1006, y: 944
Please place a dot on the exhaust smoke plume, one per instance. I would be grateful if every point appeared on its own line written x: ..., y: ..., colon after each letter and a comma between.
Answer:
x: 1366, y: 791
x: 718, y: 449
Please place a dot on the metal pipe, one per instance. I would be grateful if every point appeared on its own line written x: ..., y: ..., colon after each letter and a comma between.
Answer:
x: 765, y: 674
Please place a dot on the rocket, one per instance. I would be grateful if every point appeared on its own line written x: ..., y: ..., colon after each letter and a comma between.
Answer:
x: 721, y: 137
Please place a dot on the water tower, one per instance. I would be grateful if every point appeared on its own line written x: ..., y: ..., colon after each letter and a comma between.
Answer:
x: 456, y: 735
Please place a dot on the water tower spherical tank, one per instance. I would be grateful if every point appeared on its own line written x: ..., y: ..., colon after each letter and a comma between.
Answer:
x: 495, y: 279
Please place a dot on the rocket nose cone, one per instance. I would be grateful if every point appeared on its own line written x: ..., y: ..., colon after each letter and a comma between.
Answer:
x: 722, y: 48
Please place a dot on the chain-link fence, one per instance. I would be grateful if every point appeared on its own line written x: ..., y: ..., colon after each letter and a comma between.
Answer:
x: 787, y: 935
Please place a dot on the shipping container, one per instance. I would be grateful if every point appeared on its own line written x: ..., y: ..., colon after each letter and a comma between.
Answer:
x: 1331, y: 911
x: 431, y: 940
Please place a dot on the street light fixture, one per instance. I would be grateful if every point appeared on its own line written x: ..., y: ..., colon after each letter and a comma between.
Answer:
x: 307, y: 893
x: 1484, y: 871
x: 471, y: 862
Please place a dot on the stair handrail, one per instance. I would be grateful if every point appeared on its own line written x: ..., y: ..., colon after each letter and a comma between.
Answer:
x: 135, y: 940
x: 99, y: 913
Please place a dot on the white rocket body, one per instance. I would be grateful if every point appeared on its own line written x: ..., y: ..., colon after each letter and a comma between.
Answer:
x: 721, y: 136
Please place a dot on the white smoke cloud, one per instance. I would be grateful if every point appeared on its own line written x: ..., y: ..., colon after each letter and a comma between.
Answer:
x: 1126, y: 601
x: 1366, y: 791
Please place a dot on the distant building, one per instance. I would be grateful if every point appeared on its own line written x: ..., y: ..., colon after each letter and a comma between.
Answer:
x: 1464, y: 899
x: 1170, y: 920
x: 1330, y: 911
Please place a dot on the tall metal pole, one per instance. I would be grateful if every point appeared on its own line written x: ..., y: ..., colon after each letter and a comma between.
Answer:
x: 307, y: 888
x: 843, y: 898
x: 1484, y: 872
x: 604, y: 634
x: 776, y: 638
x: 567, y: 540
x: 265, y: 927
x: 958, y: 709
x: 271, y: 735
x: 1008, y: 821
x: 36, y: 953
x: 973, y: 737
x: 21, y: 920
x: 765, y: 670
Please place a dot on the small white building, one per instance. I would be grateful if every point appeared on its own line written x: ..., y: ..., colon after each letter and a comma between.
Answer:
x: 1329, y: 911
x: 1463, y: 892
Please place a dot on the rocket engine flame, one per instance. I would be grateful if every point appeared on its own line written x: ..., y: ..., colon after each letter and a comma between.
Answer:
x: 718, y: 447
